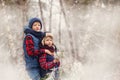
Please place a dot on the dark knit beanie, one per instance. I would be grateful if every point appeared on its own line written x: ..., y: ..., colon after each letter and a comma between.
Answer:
x: 34, y: 20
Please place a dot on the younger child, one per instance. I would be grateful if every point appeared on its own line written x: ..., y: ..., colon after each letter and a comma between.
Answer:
x: 47, y: 61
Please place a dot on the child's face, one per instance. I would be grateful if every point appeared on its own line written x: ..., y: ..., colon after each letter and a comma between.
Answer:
x: 49, y: 41
x: 36, y: 26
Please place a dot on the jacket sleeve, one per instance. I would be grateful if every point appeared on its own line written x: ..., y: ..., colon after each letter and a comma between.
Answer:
x: 44, y: 64
x: 30, y: 46
x: 42, y: 51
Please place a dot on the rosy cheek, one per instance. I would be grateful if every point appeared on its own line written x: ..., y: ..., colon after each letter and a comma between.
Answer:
x: 37, y: 28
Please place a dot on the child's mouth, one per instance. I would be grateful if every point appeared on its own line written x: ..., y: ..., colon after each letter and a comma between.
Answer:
x: 37, y: 29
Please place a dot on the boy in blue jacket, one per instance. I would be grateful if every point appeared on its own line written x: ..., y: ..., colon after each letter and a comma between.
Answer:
x: 33, y: 37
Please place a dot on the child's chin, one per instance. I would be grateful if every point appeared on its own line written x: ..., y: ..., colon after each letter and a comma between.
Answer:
x: 37, y: 30
x: 49, y: 45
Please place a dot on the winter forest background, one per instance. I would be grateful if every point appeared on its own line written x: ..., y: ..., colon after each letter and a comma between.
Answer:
x: 86, y: 32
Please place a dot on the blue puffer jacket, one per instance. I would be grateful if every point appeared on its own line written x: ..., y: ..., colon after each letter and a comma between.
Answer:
x: 32, y: 64
x: 31, y: 61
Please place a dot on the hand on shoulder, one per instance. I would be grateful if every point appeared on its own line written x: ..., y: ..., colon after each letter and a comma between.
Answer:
x: 49, y: 34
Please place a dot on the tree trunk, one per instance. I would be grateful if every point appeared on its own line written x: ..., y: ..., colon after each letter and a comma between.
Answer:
x: 25, y: 17
x: 42, y: 17
x: 69, y: 31
x: 50, y: 17
x: 60, y: 28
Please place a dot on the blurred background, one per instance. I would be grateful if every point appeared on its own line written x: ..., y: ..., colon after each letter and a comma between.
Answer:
x: 86, y: 32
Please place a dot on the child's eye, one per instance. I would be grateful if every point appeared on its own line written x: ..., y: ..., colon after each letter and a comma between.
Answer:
x: 34, y: 25
x: 47, y: 40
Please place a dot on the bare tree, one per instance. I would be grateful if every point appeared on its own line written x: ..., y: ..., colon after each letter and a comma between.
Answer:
x: 9, y: 2
x: 60, y: 27
x: 21, y: 2
x: 69, y: 31
x: 24, y: 13
x: 41, y: 12
x: 50, y: 17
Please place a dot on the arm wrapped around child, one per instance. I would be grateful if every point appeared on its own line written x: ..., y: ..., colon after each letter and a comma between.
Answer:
x: 48, y: 61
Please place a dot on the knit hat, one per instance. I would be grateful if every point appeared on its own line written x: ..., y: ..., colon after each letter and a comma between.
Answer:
x: 34, y: 20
